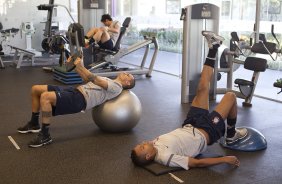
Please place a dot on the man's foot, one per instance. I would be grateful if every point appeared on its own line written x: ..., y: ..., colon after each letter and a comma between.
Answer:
x: 41, y: 140
x: 240, y: 134
x: 212, y: 38
x: 70, y: 64
x: 29, y: 128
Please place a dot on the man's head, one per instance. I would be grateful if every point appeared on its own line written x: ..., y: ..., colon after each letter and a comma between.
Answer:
x: 126, y: 79
x: 106, y: 19
x: 143, y: 154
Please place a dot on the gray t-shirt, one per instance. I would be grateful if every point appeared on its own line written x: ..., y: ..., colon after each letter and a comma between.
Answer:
x: 114, y: 36
x: 96, y: 95
x: 175, y: 148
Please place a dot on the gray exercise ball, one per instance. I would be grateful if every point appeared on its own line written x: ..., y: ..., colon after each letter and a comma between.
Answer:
x: 119, y: 114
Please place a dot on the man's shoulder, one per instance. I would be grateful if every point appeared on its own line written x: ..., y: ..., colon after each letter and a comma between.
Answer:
x: 163, y: 156
x: 116, y: 23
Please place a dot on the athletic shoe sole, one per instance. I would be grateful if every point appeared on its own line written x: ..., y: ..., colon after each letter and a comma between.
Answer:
x: 230, y: 143
x: 28, y: 131
x: 213, y: 35
x: 39, y: 145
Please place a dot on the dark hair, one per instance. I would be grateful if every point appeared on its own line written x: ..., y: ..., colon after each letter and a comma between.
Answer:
x: 105, y: 17
x: 131, y: 85
x: 138, y: 160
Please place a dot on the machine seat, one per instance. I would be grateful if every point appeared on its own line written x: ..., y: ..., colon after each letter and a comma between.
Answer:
x: 116, y: 48
x: 244, y: 82
x: 264, y: 48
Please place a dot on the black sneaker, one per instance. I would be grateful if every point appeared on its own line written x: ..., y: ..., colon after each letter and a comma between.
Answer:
x: 41, y: 140
x: 29, y: 128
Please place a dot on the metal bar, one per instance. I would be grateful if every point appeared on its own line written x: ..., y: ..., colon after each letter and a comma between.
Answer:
x: 254, y: 80
x: 67, y: 11
x: 138, y: 45
x: 257, y: 23
x: 154, y: 57
x: 184, y: 80
x: 115, y: 73
x: 145, y: 56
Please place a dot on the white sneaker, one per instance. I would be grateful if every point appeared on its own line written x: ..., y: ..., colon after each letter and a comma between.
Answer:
x: 240, y: 134
x: 212, y: 38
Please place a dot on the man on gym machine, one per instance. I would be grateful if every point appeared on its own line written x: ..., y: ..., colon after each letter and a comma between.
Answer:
x: 106, y: 36
x: 201, y: 128
x: 58, y: 100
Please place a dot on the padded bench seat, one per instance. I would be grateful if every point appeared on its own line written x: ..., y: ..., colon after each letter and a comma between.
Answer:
x: 22, y: 53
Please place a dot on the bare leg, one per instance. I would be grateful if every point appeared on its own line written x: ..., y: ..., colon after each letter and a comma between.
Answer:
x: 36, y: 92
x: 33, y: 125
x: 92, y: 32
x: 201, y: 100
x: 227, y: 107
x: 105, y: 37
x: 98, y: 35
x: 47, y: 100
x: 101, y: 35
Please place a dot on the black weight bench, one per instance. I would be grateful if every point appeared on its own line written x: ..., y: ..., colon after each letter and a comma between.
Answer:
x: 278, y: 84
x: 247, y: 87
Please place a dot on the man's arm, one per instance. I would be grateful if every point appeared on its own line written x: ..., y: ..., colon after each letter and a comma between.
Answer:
x: 115, y: 29
x: 86, y: 75
x: 205, y: 162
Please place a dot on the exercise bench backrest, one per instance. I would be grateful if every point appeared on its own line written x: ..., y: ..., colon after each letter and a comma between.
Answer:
x: 255, y: 64
x: 123, y: 29
x: 259, y: 48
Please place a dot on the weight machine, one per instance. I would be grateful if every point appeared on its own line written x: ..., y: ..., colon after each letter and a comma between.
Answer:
x: 254, y: 64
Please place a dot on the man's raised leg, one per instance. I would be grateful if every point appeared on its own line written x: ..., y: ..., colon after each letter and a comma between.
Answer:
x: 201, y: 100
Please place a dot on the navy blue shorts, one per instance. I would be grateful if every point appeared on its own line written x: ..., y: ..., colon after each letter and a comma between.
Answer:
x: 107, y: 45
x: 69, y: 100
x: 212, y: 122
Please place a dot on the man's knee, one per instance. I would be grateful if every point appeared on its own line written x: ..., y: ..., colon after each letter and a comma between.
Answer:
x: 35, y: 89
x: 231, y: 96
x: 46, y: 98
x: 202, y: 89
x: 38, y: 89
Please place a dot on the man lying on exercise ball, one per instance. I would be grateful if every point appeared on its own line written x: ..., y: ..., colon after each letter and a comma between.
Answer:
x: 201, y: 128
x: 58, y: 100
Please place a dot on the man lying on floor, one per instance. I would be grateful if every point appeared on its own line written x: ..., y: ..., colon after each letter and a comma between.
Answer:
x: 201, y: 128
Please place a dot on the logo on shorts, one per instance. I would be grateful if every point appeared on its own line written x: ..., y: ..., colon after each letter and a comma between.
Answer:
x: 215, y: 120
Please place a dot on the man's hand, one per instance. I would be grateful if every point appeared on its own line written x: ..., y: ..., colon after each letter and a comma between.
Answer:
x: 232, y: 160
x: 72, y: 61
x: 77, y: 61
x: 105, y: 29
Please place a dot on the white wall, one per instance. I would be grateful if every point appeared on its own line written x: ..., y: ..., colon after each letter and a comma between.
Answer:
x: 12, y: 15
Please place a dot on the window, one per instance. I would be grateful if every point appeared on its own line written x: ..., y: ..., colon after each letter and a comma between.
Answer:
x: 172, y: 6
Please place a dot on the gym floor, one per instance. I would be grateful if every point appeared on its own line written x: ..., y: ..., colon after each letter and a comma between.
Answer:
x: 81, y: 153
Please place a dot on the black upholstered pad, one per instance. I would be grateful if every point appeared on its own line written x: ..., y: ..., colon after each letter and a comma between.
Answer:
x: 158, y: 169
